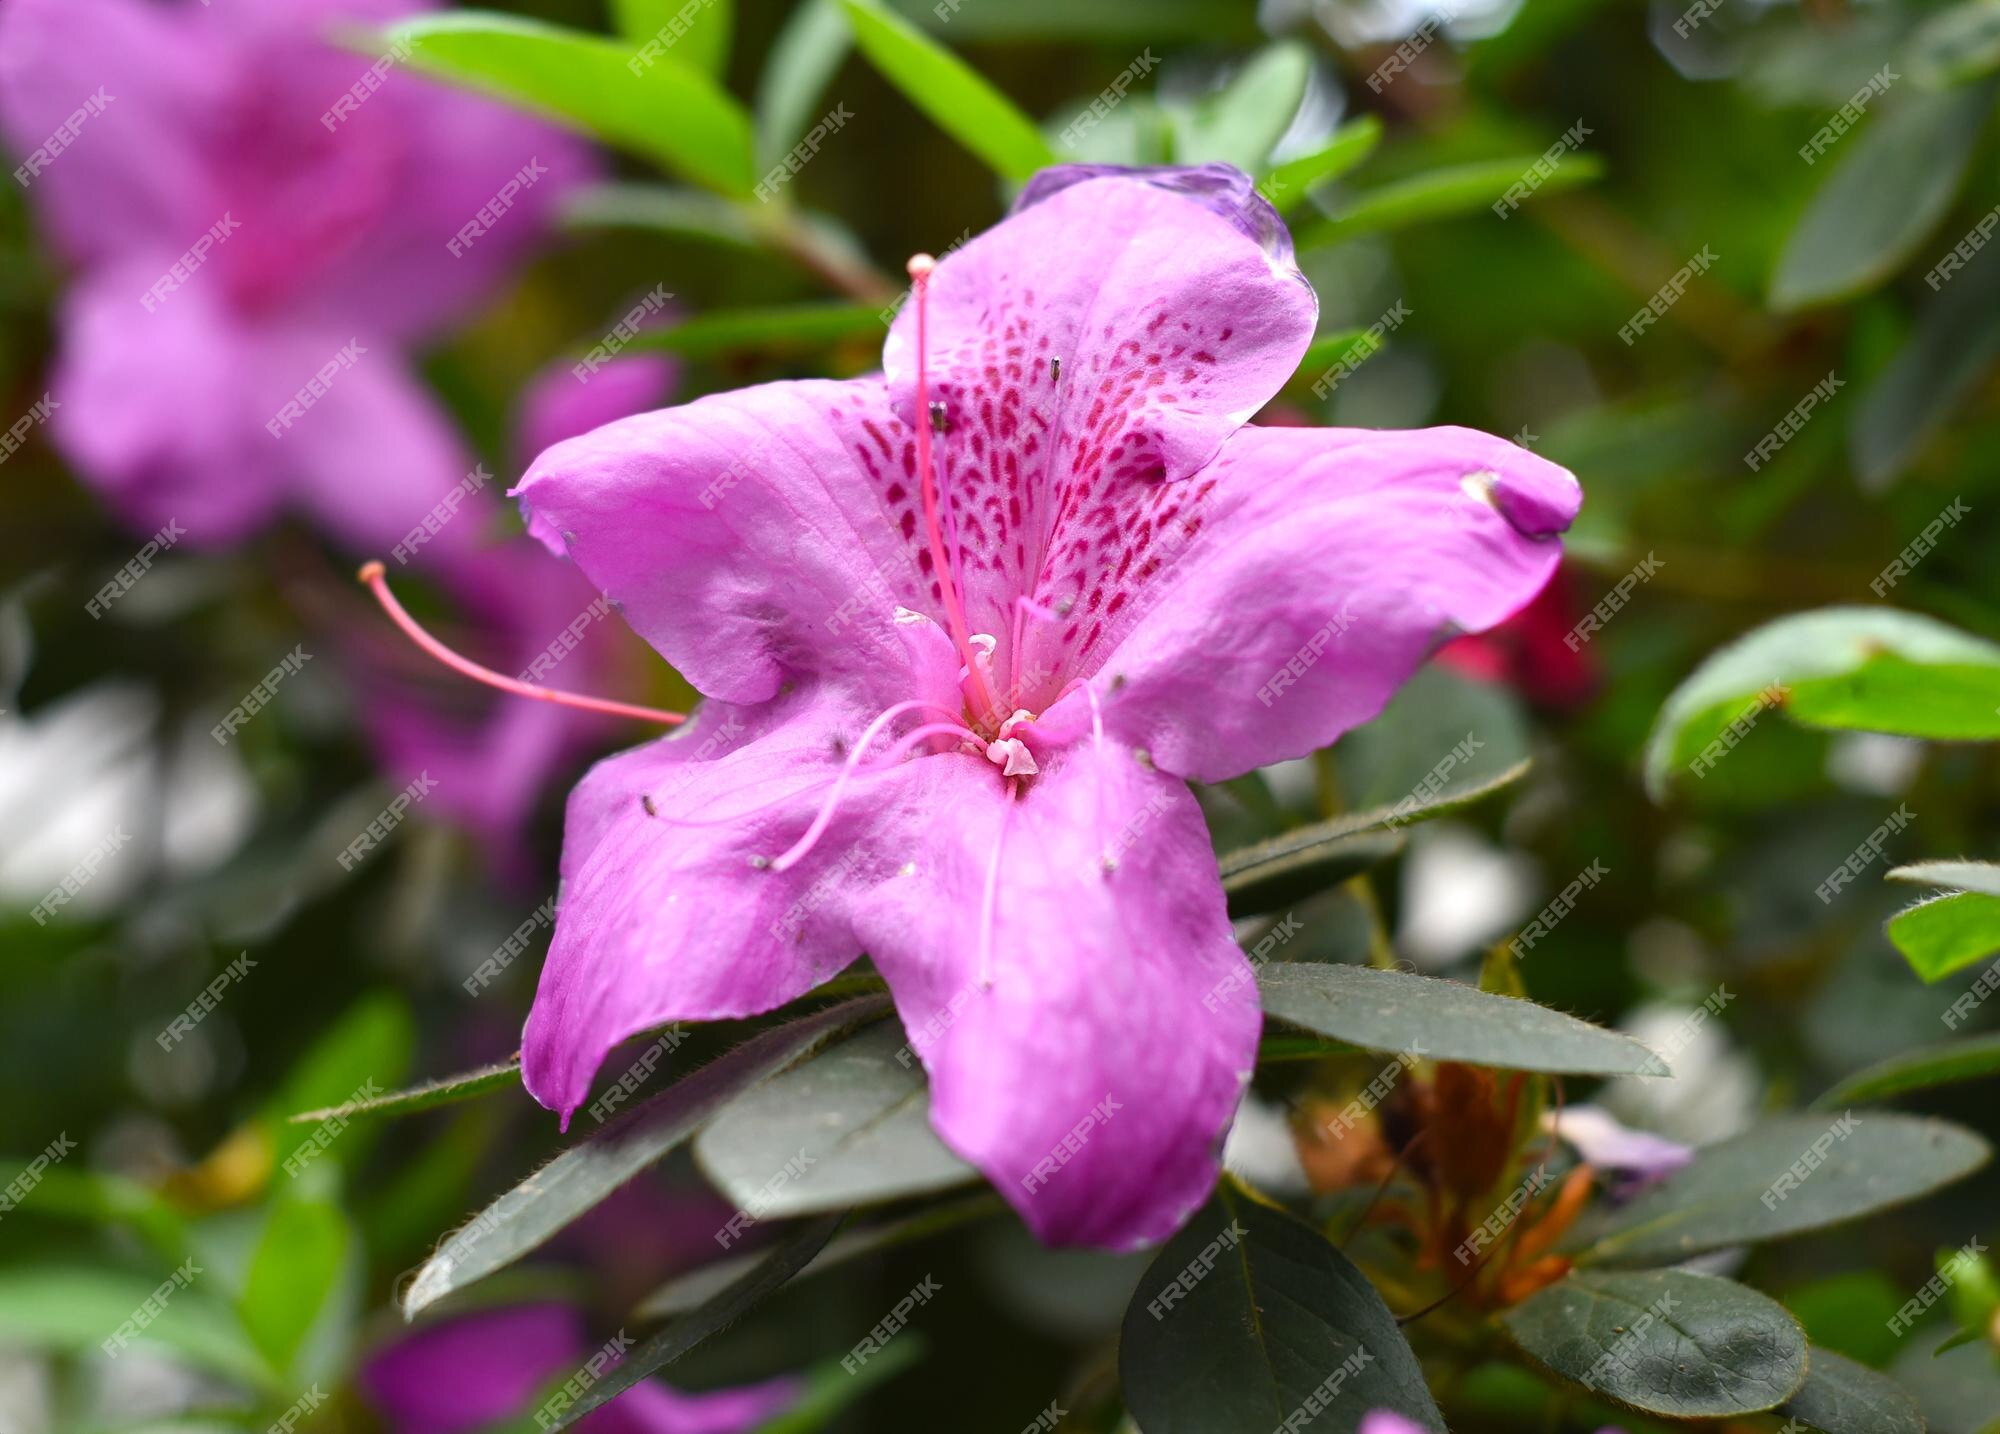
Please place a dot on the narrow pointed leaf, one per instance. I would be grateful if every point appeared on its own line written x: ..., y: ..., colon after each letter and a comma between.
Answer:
x: 573, y: 1183
x: 803, y: 59
x: 1259, y: 886
x: 792, y: 1253
x: 1444, y: 194
x: 446, y: 1090
x: 1889, y: 187
x: 1921, y: 1069
x: 663, y: 109
x: 1842, y: 1397
x: 1669, y: 1342
x: 1249, y: 1318
x: 1240, y: 122
x: 830, y: 1389
x: 851, y: 1126
x: 1784, y: 1177
x: 1290, y: 184
x: 1444, y: 1021
x: 1980, y: 876
x: 955, y: 96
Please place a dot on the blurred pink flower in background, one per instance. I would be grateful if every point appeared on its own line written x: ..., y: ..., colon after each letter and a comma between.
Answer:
x: 260, y: 238
x: 470, y: 1372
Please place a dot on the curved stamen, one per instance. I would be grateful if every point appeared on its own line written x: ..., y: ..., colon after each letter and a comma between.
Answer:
x: 792, y: 855
x: 920, y: 269
x: 372, y: 573
x: 910, y: 739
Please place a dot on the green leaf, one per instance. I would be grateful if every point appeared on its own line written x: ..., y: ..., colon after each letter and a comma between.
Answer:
x: 662, y: 109
x: 1248, y: 1318
x: 1240, y: 122
x: 955, y: 96
x: 1956, y: 45
x: 1846, y: 668
x: 801, y: 64
x: 1296, y: 869
x: 368, y: 1046
x: 697, y: 1286
x: 1842, y: 1397
x: 1980, y: 876
x: 1444, y: 194
x: 1947, y: 933
x: 97, y: 1198
x: 792, y: 1252
x: 830, y: 1389
x: 1888, y: 191
x: 775, y: 329
x: 1443, y: 741
x: 1920, y: 1069
x: 850, y: 1126
x: 701, y: 41
x: 661, y: 208
x: 1444, y: 1021
x: 295, y: 1271
x: 1289, y: 185
x: 1666, y: 1341
x: 74, y: 1309
x: 1954, y: 342
x: 590, y: 1170
x: 445, y: 1090
x: 1784, y: 1177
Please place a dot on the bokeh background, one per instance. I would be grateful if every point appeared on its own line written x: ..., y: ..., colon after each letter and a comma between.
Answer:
x: 1511, y: 323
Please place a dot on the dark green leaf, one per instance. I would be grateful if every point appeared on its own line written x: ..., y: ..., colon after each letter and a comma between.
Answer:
x: 1444, y: 1021
x: 696, y: 1287
x: 1666, y: 1341
x: 1248, y: 1318
x: 1443, y: 194
x: 590, y: 1170
x: 1239, y: 123
x: 792, y: 1252
x: 1784, y: 1177
x: 665, y: 209
x: 445, y: 1090
x: 955, y: 96
x: 1842, y: 1397
x: 780, y: 328
x: 1860, y: 668
x: 851, y: 1126
x: 1301, y: 869
x: 1947, y: 933
x: 1919, y: 1070
x: 1288, y: 185
x: 1886, y: 192
x: 1954, y: 341
x: 663, y: 109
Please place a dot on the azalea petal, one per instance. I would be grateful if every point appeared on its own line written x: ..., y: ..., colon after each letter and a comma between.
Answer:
x: 99, y: 104
x: 1093, y: 1079
x: 1311, y: 573
x: 1169, y: 323
x: 158, y: 411
x: 464, y: 1374
x: 557, y: 405
x: 670, y: 910
x: 752, y: 537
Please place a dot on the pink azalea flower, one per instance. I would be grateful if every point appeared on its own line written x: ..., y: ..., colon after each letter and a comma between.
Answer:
x: 474, y: 1371
x: 264, y: 224
x: 967, y: 630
